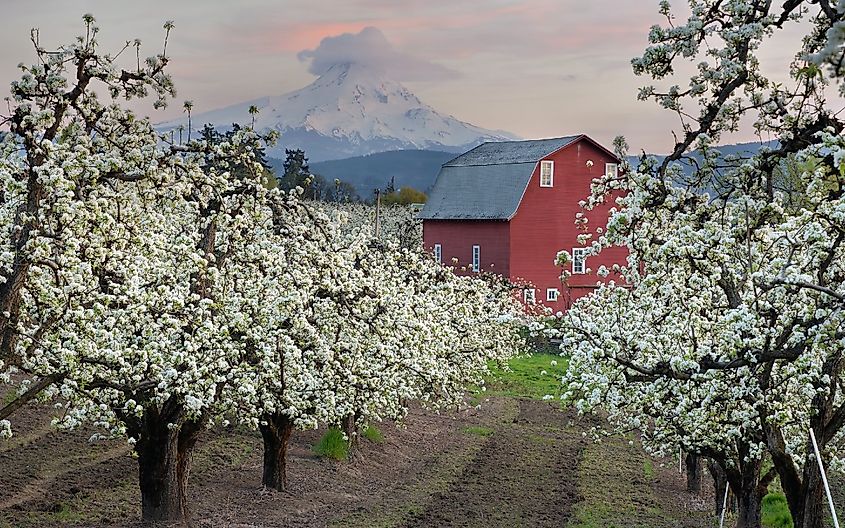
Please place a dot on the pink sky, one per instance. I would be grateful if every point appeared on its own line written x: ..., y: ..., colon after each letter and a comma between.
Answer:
x: 536, y: 68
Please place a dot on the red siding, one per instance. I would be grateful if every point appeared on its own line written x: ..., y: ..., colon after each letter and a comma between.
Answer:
x: 545, y: 224
x: 526, y: 247
x: 456, y: 238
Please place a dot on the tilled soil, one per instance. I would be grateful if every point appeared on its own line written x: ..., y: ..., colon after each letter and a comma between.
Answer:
x: 523, y: 476
x: 510, y: 463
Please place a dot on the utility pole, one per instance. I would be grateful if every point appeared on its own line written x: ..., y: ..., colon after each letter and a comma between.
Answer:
x: 378, y: 211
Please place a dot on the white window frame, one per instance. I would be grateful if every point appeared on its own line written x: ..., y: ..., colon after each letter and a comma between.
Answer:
x: 551, y: 165
x: 476, y: 258
x: 579, y: 256
x: 438, y: 253
x: 528, y: 296
x: 611, y: 169
x: 552, y: 294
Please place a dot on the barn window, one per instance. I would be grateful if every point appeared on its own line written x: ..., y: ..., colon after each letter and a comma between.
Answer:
x: 528, y: 296
x: 547, y: 173
x: 476, y: 258
x: 438, y: 253
x: 551, y: 294
x: 579, y: 260
x: 611, y: 170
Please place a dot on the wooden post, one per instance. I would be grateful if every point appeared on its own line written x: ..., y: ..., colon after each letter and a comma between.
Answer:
x: 824, y: 479
x: 378, y: 211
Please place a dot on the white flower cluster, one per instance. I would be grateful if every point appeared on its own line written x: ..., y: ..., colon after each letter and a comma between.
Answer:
x: 397, y: 222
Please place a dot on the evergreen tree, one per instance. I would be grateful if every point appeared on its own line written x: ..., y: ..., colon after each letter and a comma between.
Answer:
x: 297, y: 173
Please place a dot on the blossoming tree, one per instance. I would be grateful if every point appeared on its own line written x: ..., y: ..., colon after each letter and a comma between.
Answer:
x: 727, y: 337
x: 119, y: 287
x: 359, y: 329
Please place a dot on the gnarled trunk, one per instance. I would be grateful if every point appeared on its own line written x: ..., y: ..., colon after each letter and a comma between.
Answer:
x: 164, y: 463
x: 809, y: 509
x: 276, y: 434
x: 804, y: 491
x: 720, y: 484
x: 748, y: 502
x: 693, y: 465
x: 745, y: 485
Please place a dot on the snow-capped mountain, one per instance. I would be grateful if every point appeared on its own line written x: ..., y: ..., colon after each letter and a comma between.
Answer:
x: 350, y: 110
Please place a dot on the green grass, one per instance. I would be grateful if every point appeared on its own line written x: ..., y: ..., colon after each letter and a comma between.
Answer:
x: 525, y: 377
x: 333, y: 445
x: 478, y: 430
x: 648, y: 470
x: 616, y: 491
x: 373, y: 435
x: 775, y: 511
x: 66, y: 514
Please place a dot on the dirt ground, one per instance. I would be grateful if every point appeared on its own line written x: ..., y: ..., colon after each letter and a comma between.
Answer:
x: 513, y: 462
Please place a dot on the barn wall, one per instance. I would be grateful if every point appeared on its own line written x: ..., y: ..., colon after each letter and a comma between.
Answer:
x: 457, y: 237
x: 545, y: 224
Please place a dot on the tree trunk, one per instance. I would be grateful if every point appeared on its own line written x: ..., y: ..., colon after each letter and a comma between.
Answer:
x: 693, y: 464
x: 189, y: 433
x: 804, y: 491
x: 745, y: 485
x: 164, y: 463
x: 749, y: 502
x: 349, y: 425
x: 276, y: 434
x: 720, y: 484
x: 810, y: 510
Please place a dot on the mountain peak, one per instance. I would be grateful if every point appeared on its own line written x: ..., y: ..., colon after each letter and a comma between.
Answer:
x: 351, y: 109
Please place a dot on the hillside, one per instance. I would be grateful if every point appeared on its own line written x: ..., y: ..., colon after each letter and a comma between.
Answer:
x: 411, y: 168
x: 742, y: 150
x: 419, y: 168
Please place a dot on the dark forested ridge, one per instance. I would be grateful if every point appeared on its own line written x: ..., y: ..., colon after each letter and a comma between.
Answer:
x: 410, y: 168
x: 419, y: 168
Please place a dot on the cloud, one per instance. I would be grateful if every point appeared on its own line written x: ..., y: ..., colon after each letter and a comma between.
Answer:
x: 370, y: 48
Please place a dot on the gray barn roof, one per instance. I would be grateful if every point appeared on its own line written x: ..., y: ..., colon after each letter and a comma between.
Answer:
x: 487, y: 183
x: 498, y: 152
x: 478, y: 192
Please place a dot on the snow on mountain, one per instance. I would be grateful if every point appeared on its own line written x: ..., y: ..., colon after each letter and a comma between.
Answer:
x: 350, y: 110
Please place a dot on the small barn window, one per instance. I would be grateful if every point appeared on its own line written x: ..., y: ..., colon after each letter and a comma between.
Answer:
x: 611, y: 170
x: 579, y: 260
x: 476, y: 258
x: 551, y: 294
x: 438, y: 253
x: 547, y: 173
x: 528, y: 296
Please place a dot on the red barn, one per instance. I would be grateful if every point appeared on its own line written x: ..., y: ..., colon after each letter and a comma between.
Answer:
x: 509, y: 207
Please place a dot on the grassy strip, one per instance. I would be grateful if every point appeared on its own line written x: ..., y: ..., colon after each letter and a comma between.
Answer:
x: 615, y: 482
x: 528, y: 376
x: 775, y: 511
